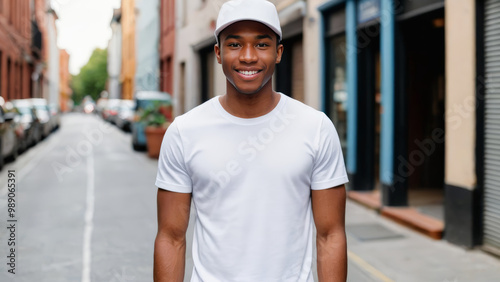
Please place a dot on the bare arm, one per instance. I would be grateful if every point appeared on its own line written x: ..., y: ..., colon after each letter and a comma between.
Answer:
x: 170, y: 243
x: 329, y: 216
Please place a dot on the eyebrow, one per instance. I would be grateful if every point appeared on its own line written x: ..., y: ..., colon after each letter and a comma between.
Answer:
x: 263, y: 36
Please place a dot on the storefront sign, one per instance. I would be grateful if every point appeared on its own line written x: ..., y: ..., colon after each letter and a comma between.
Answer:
x: 368, y: 10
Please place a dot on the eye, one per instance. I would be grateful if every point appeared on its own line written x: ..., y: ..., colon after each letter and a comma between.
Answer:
x: 233, y: 44
x: 262, y: 45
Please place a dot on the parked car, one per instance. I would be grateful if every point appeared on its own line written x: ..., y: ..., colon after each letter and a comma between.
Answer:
x: 125, y: 115
x: 111, y: 109
x: 32, y: 128
x: 11, y: 134
x: 55, y: 116
x: 143, y: 100
x: 100, y: 106
x: 43, y: 114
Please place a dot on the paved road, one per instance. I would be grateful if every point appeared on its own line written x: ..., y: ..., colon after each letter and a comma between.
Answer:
x: 86, y: 209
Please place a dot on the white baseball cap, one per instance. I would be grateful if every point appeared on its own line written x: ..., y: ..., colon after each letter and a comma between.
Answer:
x: 261, y: 11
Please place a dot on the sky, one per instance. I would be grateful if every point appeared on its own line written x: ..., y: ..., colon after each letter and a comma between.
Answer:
x: 83, y: 25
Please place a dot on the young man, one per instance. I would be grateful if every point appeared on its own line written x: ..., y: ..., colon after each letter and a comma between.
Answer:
x: 259, y: 166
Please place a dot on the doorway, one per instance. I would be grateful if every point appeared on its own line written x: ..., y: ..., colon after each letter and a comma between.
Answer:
x: 289, y: 73
x: 424, y: 76
x: 369, y: 107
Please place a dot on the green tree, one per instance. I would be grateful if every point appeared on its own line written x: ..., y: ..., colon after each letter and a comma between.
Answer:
x: 92, y: 77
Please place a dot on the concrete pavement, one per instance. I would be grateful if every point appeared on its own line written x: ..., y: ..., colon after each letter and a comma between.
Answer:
x: 85, y: 207
x: 406, y: 255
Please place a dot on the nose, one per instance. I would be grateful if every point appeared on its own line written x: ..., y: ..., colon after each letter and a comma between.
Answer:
x: 248, y: 54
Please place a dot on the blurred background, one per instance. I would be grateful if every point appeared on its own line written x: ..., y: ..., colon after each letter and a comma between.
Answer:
x: 88, y: 88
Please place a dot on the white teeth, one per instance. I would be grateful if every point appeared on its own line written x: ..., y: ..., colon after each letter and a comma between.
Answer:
x: 248, y: 72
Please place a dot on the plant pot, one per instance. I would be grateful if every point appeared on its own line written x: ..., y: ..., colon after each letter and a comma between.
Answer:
x: 154, y: 136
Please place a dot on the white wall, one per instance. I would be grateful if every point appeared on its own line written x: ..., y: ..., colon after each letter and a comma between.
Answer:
x: 53, y: 62
x: 312, y: 60
x: 114, y: 61
x: 193, y: 25
x: 460, y: 93
x: 147, y: 75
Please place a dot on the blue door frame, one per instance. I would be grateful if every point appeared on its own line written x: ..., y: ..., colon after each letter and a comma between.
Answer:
x: 352, y: 79
x: 388, y: 69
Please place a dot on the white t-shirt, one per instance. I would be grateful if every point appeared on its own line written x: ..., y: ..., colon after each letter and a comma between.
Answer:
x: 250, y: 181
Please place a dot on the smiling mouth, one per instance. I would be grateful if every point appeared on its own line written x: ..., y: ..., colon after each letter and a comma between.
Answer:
x: 248, y: 72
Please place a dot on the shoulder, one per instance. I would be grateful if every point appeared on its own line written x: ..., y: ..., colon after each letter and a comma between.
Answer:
x: 304, y: 112
x: 197, y: 115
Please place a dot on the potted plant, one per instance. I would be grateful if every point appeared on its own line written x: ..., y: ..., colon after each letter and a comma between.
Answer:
x: 156, y: 118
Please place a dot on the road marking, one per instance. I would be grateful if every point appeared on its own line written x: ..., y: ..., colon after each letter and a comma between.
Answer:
x: 89, y: 214
x: 366, y: 266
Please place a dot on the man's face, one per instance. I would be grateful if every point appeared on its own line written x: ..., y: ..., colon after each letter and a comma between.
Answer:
x: 248, y: 53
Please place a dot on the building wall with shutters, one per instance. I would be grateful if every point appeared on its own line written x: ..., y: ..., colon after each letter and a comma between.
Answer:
x: 491, y: 213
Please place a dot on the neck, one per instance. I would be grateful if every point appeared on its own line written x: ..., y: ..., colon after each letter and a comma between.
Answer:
x: 249, y: 105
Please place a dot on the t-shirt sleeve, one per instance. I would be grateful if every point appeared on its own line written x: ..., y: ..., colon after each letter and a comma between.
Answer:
x: 172, y: 174
x: 329, y: 168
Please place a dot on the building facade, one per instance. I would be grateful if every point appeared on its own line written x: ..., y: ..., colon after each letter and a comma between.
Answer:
x: 415, y: 85
x: 167, y: 46
x: 486, y: 191
x: 65, y: 92
x: 29, y: 56
x: 53, y: 74
x: 40, y: 46
x: 411, y: 86
x: 127, y: 76
x: 15, y: 49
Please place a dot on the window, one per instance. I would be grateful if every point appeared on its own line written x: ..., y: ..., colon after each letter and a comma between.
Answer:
x: 11, y: 12
x: 9, y: 79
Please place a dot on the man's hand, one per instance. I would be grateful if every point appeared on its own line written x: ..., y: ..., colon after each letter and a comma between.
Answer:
x: 329, y: 216
x: 170, y: 243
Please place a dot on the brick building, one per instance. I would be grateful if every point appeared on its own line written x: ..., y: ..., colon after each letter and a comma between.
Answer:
x: 167, y: 44
x: 39, y: 49
x: 64, y: 89
x: 128, y: 48
x: 15, y: 49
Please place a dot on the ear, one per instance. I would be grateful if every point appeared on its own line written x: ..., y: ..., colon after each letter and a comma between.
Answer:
x: 217, y: 53
x: 279, y: 51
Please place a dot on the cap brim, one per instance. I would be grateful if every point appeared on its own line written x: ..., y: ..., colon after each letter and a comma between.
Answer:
x: 224, y: 26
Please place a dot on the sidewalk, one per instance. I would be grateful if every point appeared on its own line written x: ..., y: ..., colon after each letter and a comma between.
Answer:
x: 387, y: 251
